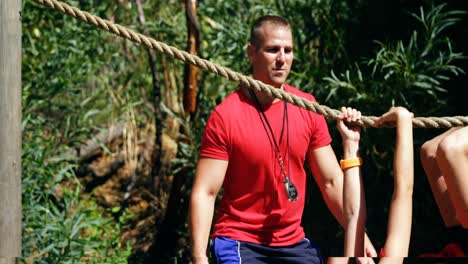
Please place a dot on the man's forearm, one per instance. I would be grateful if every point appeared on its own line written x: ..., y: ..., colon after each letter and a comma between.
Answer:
x: 333, y: 196
x: 201, y: 215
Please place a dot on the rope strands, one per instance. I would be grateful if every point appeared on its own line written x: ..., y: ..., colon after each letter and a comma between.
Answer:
x: 418, y: 122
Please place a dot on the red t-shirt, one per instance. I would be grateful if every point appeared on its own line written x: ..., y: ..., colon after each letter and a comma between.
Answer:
x: 254, y: 206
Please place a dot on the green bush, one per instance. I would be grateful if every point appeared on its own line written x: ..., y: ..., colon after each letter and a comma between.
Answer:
x: 60, y: 225
x: 67, y: 72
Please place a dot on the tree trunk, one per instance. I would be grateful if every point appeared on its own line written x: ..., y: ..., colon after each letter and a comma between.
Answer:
x: 167, y: 240
x: 193, y: 47
x: 172, y: 125
x: 10, y: 130
x: 157, y: 166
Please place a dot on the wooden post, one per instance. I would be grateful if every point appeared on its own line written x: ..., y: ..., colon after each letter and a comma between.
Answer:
x: 10, y: 130
x: 193, y: 47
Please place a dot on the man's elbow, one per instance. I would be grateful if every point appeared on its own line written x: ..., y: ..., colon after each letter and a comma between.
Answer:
x: 203, y: 194
x: 330, y: 185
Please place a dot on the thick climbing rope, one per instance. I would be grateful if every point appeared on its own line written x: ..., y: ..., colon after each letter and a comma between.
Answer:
x: 418, y: 122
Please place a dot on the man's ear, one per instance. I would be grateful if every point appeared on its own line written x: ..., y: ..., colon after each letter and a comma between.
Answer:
x: 250, y: 51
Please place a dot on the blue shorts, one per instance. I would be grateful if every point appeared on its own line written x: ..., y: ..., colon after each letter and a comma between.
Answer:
x: 228, y: 251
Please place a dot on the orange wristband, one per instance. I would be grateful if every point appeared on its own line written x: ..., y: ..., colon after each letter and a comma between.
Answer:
x: 350, y: 163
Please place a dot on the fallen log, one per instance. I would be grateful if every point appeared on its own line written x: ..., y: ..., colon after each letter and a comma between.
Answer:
x: 92, y: 146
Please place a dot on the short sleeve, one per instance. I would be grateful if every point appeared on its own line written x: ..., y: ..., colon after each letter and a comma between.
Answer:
x: 214, y: 142
x: 320, y: 135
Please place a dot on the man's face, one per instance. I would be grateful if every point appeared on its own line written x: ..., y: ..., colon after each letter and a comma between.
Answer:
x: 273, y: 57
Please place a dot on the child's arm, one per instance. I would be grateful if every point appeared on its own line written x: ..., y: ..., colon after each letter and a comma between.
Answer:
x: 399, y: 219
x: 353, y: 194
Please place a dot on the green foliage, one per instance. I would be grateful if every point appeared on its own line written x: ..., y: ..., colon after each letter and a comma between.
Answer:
x: 409, y: 74
x: 59, y: 224
x: 423, y: 64
x: 78, y: 80
x: 73, y: 83
x: 52, y: 45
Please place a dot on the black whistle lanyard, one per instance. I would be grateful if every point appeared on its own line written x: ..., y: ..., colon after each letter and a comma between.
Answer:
x: 291, y: 190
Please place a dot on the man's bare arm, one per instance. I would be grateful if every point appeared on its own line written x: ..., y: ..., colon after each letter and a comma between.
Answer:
x: 209, y: 178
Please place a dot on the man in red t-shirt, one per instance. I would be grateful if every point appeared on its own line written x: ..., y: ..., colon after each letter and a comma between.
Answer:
x: 255, y: 147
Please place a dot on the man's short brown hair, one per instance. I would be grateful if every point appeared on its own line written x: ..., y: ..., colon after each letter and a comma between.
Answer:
x: 256, y: 37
